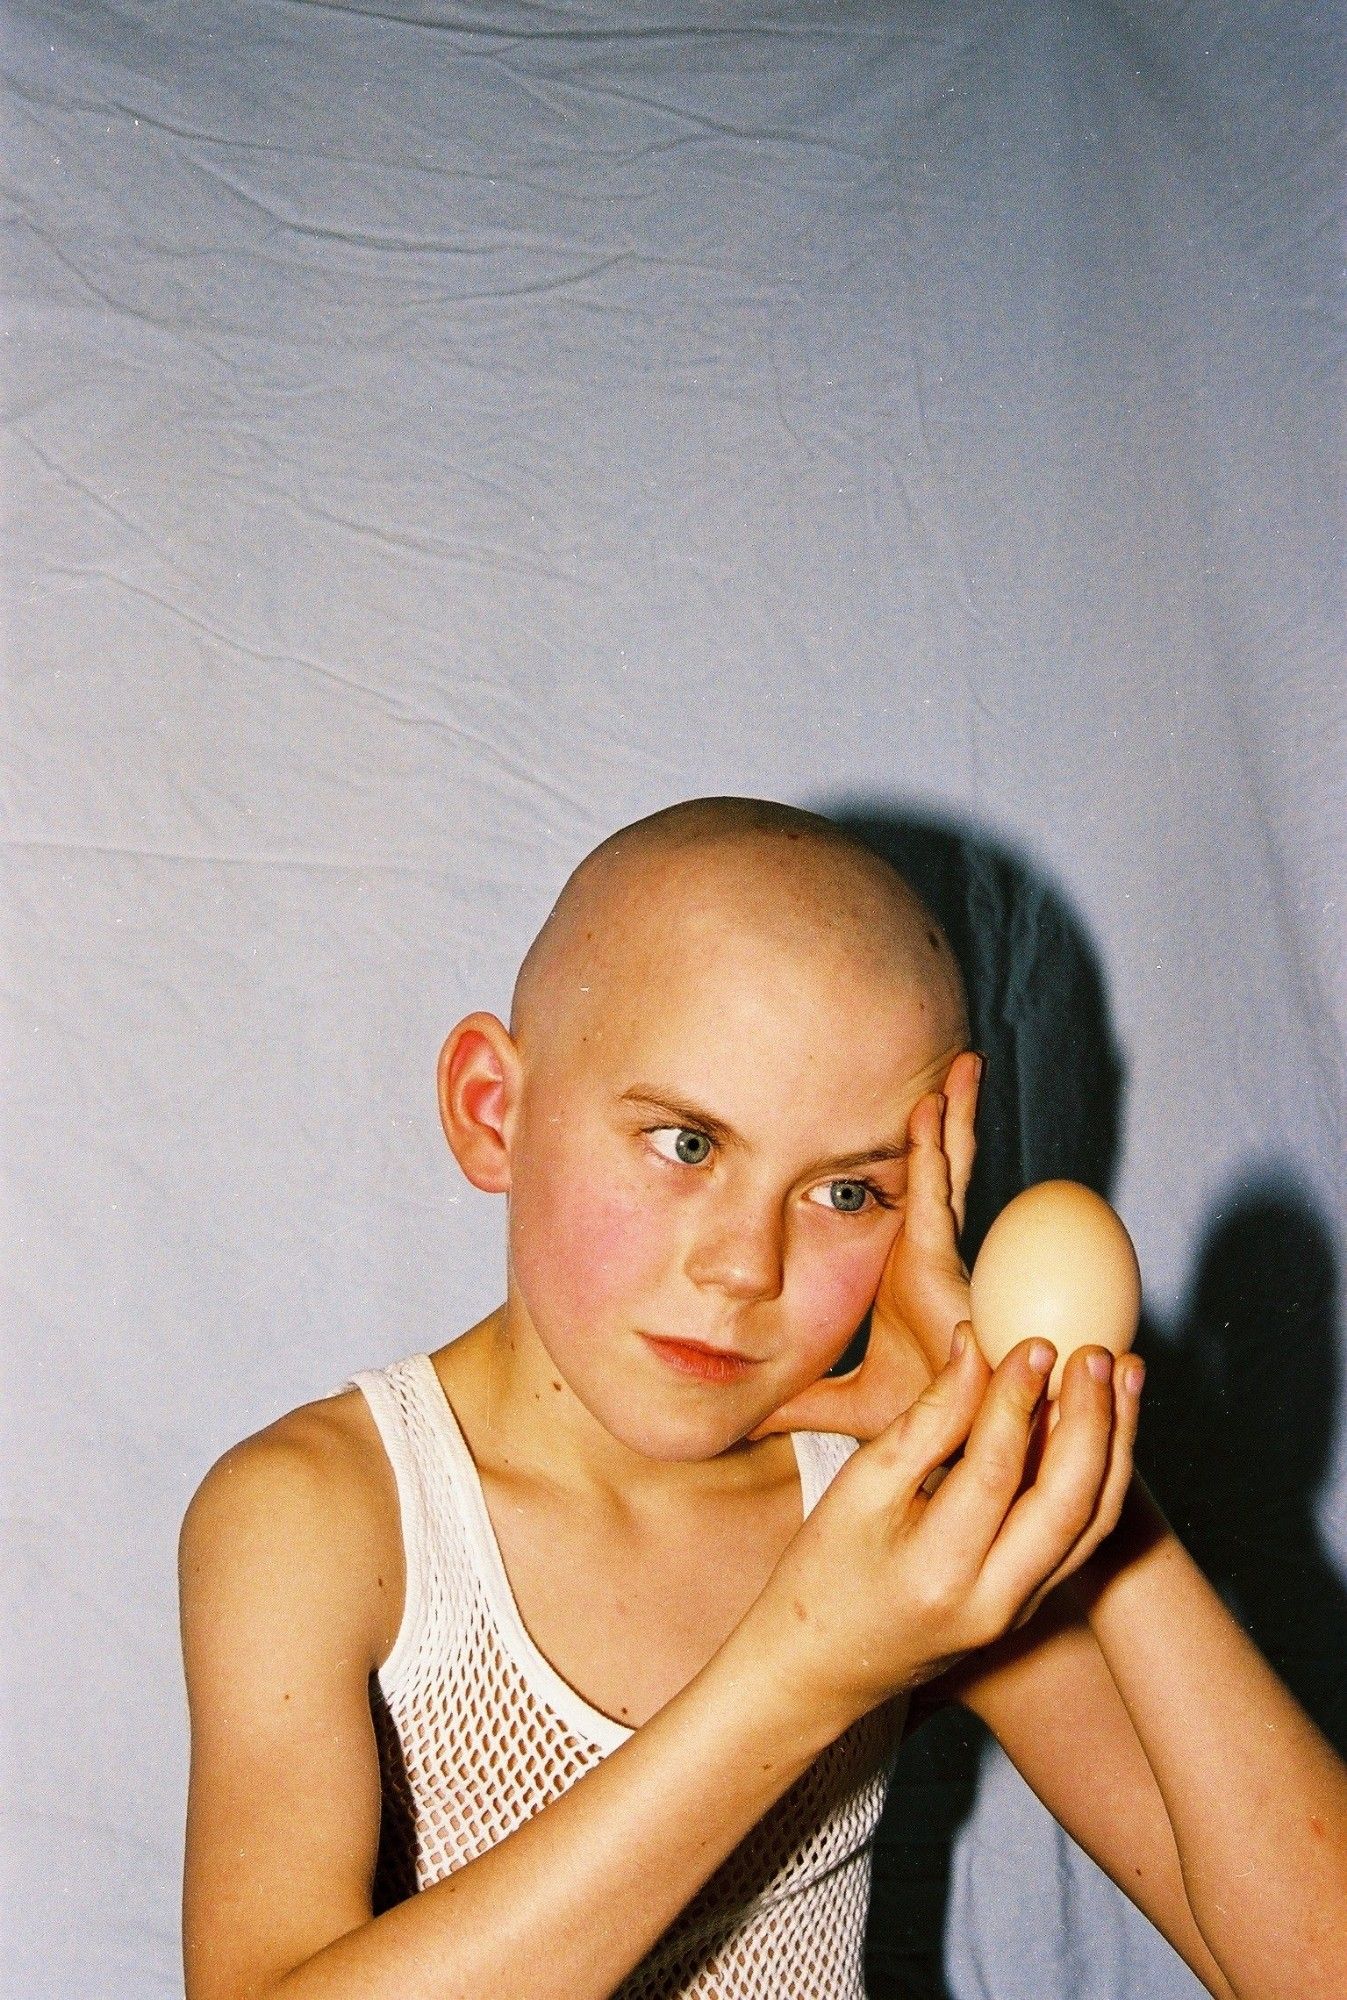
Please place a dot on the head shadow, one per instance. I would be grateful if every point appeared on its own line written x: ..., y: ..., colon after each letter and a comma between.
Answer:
x: 1242, y: 1391
x: 1239, y: 1429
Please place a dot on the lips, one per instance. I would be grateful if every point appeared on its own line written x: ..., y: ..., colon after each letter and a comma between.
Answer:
x: 703, y: 1363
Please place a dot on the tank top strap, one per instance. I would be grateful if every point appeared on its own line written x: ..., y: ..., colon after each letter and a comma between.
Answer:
x: 406, y: 1404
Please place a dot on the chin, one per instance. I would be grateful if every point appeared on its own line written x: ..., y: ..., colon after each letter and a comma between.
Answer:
x: 676, y: 1437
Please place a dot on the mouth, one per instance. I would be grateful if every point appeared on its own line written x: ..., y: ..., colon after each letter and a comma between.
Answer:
x: 695, y: 1358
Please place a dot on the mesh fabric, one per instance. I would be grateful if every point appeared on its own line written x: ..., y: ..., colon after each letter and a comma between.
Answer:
x: 477, y: 1732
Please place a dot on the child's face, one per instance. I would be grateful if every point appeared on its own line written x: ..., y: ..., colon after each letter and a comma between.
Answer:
x: 682, y: 1170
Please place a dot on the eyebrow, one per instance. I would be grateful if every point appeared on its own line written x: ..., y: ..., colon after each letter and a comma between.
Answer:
x: 693, y: 1116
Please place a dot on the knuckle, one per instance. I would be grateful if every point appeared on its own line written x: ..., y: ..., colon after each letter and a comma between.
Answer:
x: 932, y: 1414
x: 995, y: 1473
x: 872, y: 1473
x: 938, y: 1593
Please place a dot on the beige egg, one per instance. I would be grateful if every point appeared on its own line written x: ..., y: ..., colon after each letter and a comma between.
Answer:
x: 1056, y: 1264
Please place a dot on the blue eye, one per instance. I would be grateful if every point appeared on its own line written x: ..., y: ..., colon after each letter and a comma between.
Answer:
x: 849, y: 1197
x: 682, y: 1143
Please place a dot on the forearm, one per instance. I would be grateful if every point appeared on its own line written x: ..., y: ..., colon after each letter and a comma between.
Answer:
x: 572, y: 1900
x: 1256, y: 1796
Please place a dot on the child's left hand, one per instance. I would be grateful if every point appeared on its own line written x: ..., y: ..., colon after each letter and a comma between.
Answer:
x: 923, y: 1293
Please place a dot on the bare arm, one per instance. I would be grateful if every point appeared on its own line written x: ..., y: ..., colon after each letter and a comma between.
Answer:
x: 1159, y: 1737
x: 1256, y: 1796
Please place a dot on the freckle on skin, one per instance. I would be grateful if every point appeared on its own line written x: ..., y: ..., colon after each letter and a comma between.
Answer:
x: 1316, y: 1826
x: 799, y: 1611
x: 556, y: 1385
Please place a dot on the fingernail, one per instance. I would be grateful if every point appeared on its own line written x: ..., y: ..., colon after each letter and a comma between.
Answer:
x: 958, y: 1344
x: 1100, y: 1366
x: 1134, y: 1375
x: 1041, y: 1357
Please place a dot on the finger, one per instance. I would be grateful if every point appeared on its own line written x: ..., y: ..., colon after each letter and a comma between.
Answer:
x: 936, y: 1424
x: 974, y: 1501
x: 1053, y: 1514
x: 928, y: 1218
x: 1118, y: 1477
x: 1117, y: 1480
x: 962, y: 1089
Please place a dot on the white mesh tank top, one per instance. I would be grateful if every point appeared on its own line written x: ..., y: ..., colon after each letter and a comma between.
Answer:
x: 477, y: 1732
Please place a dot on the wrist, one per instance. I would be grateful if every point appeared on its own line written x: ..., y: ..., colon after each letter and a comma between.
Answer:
x: 774, y: 1657
x: 1140, y: 1531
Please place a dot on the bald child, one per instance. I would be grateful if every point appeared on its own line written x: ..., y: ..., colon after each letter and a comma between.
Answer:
x: 571, y: 1658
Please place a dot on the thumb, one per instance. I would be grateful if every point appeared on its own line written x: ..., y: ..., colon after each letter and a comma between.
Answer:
x: 828, y: 1405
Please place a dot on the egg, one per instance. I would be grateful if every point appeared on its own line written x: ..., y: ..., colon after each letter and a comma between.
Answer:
x: 1056, y: 1264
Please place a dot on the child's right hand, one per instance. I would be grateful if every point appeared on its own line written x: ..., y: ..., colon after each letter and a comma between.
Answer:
x: 888, y: 1583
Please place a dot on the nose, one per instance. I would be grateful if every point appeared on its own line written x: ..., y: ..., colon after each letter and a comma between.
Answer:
x: 738, y: 1250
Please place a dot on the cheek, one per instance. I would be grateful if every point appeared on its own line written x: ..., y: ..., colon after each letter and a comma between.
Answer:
x: 832, y: 1289
x: 576, y: 1250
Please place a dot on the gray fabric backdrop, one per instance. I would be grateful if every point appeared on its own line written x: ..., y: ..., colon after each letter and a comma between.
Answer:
x: 435, y: 436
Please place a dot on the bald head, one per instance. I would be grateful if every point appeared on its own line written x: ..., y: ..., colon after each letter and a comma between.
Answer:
x: 793, y: 880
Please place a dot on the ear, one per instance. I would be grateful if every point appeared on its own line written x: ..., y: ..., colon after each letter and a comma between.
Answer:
x: 479, y: 1077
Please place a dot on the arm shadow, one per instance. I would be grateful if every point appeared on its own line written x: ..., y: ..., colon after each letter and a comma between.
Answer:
x: 1242, y: 1391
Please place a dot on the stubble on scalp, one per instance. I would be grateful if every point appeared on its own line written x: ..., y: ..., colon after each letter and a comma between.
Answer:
x: 794, y: 878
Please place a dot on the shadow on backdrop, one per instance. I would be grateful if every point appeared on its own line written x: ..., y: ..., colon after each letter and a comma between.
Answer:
x: 1241, y: 1394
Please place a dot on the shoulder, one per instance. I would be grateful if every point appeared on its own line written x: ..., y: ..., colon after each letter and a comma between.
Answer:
x: 304, y: 1509
x: 283, y: 1563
